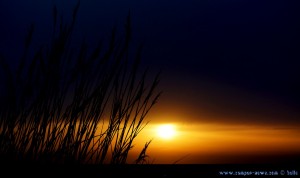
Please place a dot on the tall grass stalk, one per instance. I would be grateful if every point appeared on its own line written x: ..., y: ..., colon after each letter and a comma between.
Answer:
x: 66, y: 106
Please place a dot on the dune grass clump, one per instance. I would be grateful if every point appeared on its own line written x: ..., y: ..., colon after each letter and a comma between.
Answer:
x: 68, y: 105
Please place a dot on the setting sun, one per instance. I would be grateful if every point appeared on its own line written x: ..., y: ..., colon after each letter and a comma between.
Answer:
x: 166, y: 131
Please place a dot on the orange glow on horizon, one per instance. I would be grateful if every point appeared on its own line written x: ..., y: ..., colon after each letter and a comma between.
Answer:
x: 203, y: 140
x: 212, y: 143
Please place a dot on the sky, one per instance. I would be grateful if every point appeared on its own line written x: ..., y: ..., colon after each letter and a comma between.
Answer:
x: 228, y: 67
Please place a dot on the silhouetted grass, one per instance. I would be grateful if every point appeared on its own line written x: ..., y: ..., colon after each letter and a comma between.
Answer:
x: 71, y: 106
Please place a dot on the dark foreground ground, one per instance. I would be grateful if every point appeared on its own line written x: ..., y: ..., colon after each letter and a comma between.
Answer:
x: 178, y: 170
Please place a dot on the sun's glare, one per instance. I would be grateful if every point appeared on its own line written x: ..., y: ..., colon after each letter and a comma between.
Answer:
x: 166, y: 131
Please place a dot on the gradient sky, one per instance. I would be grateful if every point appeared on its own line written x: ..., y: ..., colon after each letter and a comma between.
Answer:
x: 231, y: 66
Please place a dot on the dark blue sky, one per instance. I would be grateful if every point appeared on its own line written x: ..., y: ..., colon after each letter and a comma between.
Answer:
x: 235, y: 45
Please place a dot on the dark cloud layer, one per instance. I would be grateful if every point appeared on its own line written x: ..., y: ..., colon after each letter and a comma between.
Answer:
x: 230, y: 59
